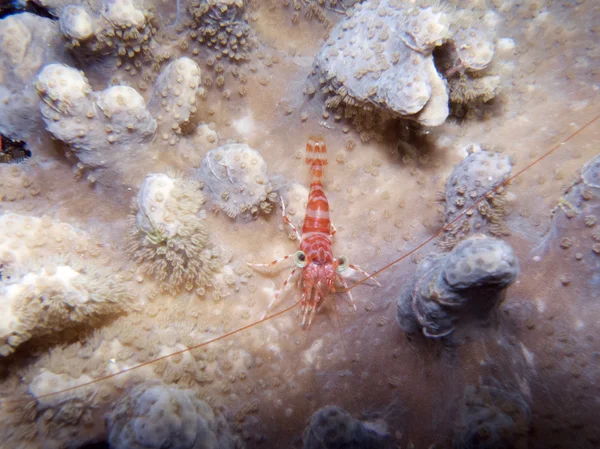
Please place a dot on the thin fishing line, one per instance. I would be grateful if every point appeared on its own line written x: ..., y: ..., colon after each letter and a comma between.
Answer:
x: 110, y: 376
x: 472, y: 208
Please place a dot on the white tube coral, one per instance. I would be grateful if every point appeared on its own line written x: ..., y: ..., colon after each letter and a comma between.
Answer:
x: 169, y: 238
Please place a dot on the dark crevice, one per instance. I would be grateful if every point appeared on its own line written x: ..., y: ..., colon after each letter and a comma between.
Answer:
x: 9, y: 7
x: 13, y: 151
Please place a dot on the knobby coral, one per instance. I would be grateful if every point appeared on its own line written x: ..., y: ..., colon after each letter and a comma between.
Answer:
x: 169, y: 237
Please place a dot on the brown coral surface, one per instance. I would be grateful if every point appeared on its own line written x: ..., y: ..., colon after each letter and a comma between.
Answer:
x: 542, y: 344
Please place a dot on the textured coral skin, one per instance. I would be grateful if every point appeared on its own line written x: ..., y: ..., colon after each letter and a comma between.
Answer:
x: 468, y: 281
x: 382, y: 184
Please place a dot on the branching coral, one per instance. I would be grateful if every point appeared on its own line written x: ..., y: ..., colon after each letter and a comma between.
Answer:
x: 380, y: 61
x: 169, y: 238
x: 174, y: 98
x: 92, y: 122
x: 27, y: 43
x: 395, y: 73
x: 41, y: 296
x: 577, y: 213
x: 119, y: 26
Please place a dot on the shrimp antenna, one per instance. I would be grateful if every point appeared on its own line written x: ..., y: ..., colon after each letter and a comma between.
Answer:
x: 473, y: 207
x: 110, y: 376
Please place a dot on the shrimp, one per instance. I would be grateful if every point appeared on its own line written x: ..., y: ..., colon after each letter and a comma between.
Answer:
x: 320, y: 270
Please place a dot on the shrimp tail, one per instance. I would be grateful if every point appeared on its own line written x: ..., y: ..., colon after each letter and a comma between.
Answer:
x: 316, y: 157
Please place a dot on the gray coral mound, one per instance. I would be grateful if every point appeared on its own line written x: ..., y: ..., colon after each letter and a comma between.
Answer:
x: 474, y: 188
x: 491, y: 418
x: 381, y: 57
x: 467, y: 282
x: 334, y: 428
x: 169, y: 237
x: 154, y: 416
x: 236, y: 178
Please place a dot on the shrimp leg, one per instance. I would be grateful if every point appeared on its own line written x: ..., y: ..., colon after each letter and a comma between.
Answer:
x: 277, y: 293
x: 357, y: 268
x: 342, y: 281
x: 268, y: 267
x: 332, y: 231
x: 288, y: 221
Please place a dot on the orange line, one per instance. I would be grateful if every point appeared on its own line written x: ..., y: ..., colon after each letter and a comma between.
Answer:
x: 109, y: 376
x: 472, y: 208
x: 241, y: 329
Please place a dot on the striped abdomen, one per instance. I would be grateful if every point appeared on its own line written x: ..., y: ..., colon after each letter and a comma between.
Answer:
x: 317, y: 225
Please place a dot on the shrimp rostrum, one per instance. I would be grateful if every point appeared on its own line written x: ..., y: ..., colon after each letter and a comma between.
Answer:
x: 320, y: 275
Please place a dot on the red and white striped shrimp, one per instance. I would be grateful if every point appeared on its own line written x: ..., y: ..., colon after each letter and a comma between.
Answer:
x: 308, y: 258
x: 320, y: 270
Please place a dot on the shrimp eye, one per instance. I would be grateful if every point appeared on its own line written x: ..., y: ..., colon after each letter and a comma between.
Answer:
x: 300, y: 259
x: 342, y: 263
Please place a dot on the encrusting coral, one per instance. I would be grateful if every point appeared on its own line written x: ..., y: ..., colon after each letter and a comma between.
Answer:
x: 169, y: 237
x: 469, y: 281
x: 236, y: 178
x: 154, y: 415
x: 577, y: 214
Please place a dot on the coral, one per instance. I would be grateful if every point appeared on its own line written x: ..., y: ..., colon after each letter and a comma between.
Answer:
x: 491, y: 418
x: 221, y: 26
x: 70, y: 408
x: 466, y: 63
x: 116, y: 26
x: 154, y: 415
x: 174, y: 97
x: 236, y: 177
x: 41, y: 295
x: 169, y: 238
x: 478, y: 174
x: 384, y: 59
x: 577, y: 214
x: 395, y: 73
x: 332, y: 427
x: 17, y: 183
x: 93, y: 124
x: 474, y: 48
x: 469, y: 281
x: 27, y: 43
